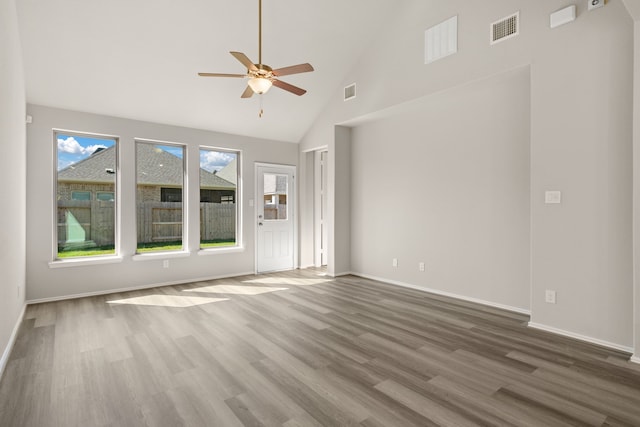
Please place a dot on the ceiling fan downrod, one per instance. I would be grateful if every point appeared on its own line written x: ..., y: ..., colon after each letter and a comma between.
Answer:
x: 259, y: 33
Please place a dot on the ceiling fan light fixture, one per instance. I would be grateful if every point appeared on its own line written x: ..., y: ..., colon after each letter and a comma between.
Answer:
x: 260, y: 85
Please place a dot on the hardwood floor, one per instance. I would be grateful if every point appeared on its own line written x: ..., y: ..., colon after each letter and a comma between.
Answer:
x: 301, y: 349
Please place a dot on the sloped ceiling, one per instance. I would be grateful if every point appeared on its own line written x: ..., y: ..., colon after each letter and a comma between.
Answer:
x: 139, y: 59
x: 633, y: 6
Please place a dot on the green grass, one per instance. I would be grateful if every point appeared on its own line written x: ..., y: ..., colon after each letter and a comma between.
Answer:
x: 159, y: 247
x: 217, y: 243
x: 97, y: 251
x: 142, y: 248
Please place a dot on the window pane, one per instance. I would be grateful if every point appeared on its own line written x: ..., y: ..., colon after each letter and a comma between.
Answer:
x: 105, y: 196
x: 85, y: 165
x: 218, y: 189
x: 80, y: 195
x: 276, y: 188
x: 160, y: 183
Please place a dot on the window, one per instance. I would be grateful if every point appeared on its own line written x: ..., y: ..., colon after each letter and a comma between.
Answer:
x: 218, y: 193
x: 160, y: 184
x: 85, y: 227
x: 105, y: 196
x: 171, y: 195
x: 276, y: 189
x: 81, y: 195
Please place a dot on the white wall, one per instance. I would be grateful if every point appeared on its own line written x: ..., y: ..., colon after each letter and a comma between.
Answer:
x: 582, y: 145
x: 13, y: 175
x: 306, y: 204
x: 634, y: 10
x: 338, y: 206
x: 44, y: 282
x: 447, y: 183
x: 581, y: 79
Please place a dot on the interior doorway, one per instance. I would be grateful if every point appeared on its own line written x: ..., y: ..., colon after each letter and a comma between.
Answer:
x: 320, y: 208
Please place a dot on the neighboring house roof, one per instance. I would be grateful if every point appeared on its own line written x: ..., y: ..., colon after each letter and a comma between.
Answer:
x: 155, y: 167
x: 229, y: 172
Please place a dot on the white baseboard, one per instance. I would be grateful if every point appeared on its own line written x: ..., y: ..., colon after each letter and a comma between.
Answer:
x: 445, y: 294
x: 134, y: 288
x: 12, y: 340
x: 635, y: 359
x: 303, y: 267
x: 581, y: 337
x: 344, y: 273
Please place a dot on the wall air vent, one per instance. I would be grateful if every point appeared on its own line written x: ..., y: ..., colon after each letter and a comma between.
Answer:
x: 505, y: 28
x: 350, y: 92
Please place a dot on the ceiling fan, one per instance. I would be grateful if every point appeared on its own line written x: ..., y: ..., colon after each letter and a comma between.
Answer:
x: 261, y: 76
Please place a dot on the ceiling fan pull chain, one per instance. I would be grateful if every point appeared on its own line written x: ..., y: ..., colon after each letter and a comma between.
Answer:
x: 261, y: 110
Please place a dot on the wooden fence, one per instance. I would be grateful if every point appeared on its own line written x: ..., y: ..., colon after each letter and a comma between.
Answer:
x: 272, y: 211
x: 84, y: 221
x: 217, y: 221
x: 93, y: 221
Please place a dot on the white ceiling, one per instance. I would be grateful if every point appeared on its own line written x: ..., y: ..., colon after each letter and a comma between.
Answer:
x: 139, y: 59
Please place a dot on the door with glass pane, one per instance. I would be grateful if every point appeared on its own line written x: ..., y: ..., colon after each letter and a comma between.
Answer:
x: 275, y: 218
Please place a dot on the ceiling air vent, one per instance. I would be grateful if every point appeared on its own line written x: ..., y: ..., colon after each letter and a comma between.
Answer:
x: 505, y: 28
x: 350, y: 92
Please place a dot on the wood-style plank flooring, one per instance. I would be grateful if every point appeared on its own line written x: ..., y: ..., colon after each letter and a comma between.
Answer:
x: 301, y: 349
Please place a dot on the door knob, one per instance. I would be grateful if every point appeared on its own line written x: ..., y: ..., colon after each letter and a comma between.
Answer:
x: 260, y: 224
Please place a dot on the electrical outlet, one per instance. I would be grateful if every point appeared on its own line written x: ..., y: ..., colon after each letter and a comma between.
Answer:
x: 165, y: 263
x: 550, y: 296
x: 394, y: 262
x: 421, y: 266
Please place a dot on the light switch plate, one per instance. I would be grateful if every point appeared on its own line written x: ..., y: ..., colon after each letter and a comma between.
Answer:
x: 552, y: 197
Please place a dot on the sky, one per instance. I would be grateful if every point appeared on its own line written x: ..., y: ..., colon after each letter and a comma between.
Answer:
x: 215, y: 160
x: 74, y: 148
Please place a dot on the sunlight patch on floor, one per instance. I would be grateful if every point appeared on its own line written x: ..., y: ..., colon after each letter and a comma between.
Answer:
x: 235, y: 289
x: 177, y: 301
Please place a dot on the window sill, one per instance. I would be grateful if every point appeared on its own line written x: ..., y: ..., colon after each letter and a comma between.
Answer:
x: 161, y: 255
x: 82, y: 262
x: 217, y: 251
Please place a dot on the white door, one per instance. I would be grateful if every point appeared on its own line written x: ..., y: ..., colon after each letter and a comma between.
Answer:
x: 275, y: 218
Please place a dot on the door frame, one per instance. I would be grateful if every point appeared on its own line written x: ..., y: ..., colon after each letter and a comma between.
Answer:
x: 320, y: 200
x: 293, y: 209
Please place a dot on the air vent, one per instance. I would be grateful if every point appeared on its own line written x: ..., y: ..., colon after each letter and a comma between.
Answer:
x: 505, y: 28
x: 350, y: 92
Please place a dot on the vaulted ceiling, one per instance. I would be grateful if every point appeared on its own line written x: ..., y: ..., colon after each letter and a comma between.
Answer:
x: 139, y: 59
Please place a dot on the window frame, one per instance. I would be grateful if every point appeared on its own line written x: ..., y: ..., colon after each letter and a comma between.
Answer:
x: 92, y: 259
x: 185, y: 205
x: 239, y: 242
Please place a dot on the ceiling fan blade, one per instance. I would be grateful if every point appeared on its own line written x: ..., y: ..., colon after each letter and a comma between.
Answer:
x: 294, y: 69
x: 248, y: 92
x: 289, y: 88
x: 244, y: 60
x: 221, y: 75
